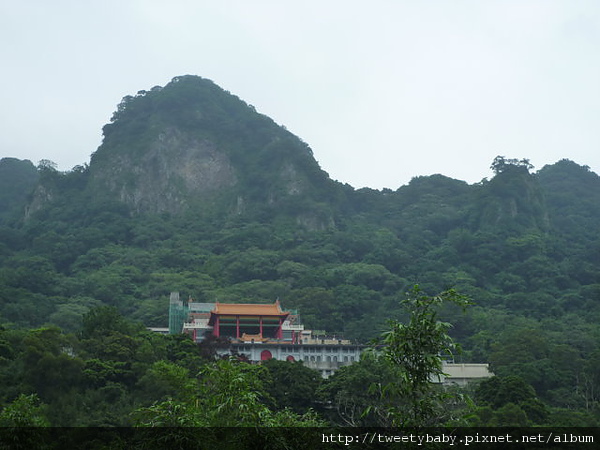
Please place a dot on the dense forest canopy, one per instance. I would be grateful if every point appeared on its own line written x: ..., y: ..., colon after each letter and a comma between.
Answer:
x: 194, y: 191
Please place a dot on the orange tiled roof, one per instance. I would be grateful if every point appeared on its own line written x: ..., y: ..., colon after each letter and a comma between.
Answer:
x: 248, y: 309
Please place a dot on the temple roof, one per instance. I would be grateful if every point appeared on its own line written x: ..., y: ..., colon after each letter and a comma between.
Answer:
x: 249, y: 309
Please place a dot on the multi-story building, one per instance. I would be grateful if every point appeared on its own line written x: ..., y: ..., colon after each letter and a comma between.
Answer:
x: 261, y: 332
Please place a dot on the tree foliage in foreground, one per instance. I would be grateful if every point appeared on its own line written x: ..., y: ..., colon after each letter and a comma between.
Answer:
x: 416, y: 349
x: 230, y: 393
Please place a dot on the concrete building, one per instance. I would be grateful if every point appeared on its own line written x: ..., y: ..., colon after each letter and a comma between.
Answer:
x: 461, y: 374
x: 261, y: 332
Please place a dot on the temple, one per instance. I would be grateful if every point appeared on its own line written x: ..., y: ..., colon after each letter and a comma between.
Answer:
x: 247, y: 322
x: 261, y: 332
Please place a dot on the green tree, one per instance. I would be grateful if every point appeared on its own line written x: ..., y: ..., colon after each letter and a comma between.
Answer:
x: 501, y: 164
x: 24, y: 411
x: 102, y: 321
x: 17, y: 420
x: 230, y: 394
x: 354, y: 392
x: 292, y: 385
x: 511, y: 399
x: 166, y: 380
x: 416, y: 349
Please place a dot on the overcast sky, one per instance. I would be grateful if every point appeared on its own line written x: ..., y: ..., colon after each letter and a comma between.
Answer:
x: 382, y: 91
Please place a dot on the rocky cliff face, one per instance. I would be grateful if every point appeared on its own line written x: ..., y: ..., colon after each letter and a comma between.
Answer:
x: 41, y: 196
x: 512, y: 200
x: 17, y: 180
x: 174, y: 168
x: 191, y: 142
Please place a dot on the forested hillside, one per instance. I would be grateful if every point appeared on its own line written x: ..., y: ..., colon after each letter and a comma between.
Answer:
x: 17, y: 179
x: 192, y: 190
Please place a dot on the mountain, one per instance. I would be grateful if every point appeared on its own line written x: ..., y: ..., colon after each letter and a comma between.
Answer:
x: 17, y: 180
x: 193, y: 190
x: 191, y: 144
x: 573, y: 197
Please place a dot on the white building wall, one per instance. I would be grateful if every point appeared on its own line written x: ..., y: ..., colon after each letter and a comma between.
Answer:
x: 324, y: 358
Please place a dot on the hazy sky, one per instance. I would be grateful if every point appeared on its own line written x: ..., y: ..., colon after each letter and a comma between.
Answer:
x: 382, y: 91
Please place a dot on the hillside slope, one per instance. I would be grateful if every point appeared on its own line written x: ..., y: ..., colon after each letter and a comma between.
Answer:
x: 192, y: 190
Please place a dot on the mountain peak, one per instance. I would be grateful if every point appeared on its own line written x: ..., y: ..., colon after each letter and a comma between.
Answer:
x: 192, y: 141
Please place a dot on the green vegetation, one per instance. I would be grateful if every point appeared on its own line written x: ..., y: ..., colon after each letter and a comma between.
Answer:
x: 17, y: 180
x: 81, y: 263
x: 415, y: 350
x: 116, y: 373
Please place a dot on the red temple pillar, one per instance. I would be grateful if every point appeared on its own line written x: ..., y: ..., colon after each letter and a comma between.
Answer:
x: 237, y: 327
x: 279, y: 330
x: 216, y: 327
x: 261, y: 326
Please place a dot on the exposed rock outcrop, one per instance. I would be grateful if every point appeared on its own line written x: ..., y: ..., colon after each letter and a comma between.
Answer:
x: 174, y: 168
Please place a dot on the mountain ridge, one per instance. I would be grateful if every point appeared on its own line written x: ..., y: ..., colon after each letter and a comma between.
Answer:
x: 191, y: 146
x: 197, y: 139
x: 193, y: 191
